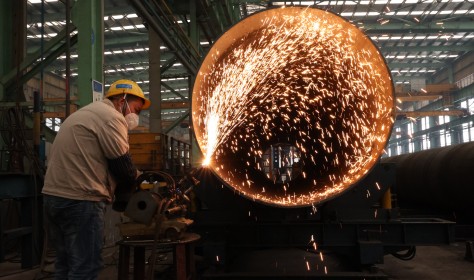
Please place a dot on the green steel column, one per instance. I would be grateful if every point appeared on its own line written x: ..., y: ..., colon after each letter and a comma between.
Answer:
x: 5, y: 36
x: 193, y: 25
x: 235, y: 10
x: 451, y: 73
x: 196, y: 155
x: 88, y: 17
x: 5, y: 57
x: 12, y: 44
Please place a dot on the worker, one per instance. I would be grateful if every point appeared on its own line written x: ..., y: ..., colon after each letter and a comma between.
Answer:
x: 89, y: 156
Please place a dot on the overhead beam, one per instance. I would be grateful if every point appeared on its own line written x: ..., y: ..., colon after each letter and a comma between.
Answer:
x: 174, y: 105
x: 129, y: 40
x: 402, y: 65
x: 431, y: 27
x: 47, y: 60
x: 176, y: 122
x: 52, y: 45
x: 173, y: 90
x: 172, y: 38
x: 108, y: 11
x: 414, y: 98
x: 417, y: 114
x: 410, y: 49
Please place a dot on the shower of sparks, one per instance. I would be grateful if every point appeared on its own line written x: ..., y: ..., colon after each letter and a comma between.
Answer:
x: 301, y: 77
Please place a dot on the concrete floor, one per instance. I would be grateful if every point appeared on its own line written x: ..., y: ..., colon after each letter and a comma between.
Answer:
x: 431, y: 262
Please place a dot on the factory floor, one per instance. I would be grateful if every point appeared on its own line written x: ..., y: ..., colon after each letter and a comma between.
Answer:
x: 431, y: 262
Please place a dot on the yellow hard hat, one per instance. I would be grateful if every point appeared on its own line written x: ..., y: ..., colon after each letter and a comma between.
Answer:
x: 127, y: 87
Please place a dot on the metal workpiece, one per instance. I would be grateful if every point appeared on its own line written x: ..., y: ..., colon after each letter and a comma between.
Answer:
x: 158, y: 207
x: 292, y: 106
x: 439, y: 178
x: 143, y: 206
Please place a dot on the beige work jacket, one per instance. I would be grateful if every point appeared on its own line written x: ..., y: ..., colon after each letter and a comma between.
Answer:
x: 77, y: 164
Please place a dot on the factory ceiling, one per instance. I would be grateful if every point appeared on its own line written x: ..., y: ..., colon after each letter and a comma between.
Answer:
x: 416, y: 37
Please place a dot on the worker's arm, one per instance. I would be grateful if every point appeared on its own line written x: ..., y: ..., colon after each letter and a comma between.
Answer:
x: 114, y: 142
x: 123, y: 169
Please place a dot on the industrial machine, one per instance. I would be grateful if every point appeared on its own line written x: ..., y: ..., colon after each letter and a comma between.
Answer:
x: 292, y: 109
x: 157, y: 207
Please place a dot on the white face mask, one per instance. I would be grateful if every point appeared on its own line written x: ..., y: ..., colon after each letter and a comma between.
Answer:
x: 132, y: 119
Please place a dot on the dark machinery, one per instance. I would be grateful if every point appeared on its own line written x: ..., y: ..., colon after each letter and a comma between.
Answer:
x: 292, y: 109
x: 439, y: 179
x: 158, y: 207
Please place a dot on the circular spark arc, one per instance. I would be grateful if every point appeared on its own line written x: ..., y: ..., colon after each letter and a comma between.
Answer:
x: 300, y: 76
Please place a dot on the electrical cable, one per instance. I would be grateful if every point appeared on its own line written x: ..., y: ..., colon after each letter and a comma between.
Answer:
x: 408, y: 255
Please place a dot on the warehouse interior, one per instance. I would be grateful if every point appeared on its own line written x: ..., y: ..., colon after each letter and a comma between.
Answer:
x: 408, y: 213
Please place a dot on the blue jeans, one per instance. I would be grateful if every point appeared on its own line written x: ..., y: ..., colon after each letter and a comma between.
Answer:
x: 76, y: 230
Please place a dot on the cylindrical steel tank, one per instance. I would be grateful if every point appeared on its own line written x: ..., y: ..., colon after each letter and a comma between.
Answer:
x: 292, y: 106
x: 440, y: 178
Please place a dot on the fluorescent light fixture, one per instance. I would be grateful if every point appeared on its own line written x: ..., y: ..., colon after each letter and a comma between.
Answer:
x: 39, y: 1
x: 402, y: 13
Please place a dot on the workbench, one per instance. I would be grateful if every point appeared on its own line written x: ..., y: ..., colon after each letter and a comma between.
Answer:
x: 183, y: 256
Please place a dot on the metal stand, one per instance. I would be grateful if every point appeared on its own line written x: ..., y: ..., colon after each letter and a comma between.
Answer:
x: 183, y: 255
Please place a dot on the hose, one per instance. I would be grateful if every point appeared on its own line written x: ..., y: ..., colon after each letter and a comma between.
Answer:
x: 408, y: 255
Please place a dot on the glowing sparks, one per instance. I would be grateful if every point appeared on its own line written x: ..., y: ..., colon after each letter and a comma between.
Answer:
x: 299, y: 76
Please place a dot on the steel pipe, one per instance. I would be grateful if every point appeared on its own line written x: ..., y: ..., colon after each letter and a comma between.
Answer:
x: 438, y: 178
x: 292, y: 106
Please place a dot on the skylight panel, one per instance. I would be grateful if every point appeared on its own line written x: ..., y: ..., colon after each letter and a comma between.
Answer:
x: 39, y: 1
x: 402, y: 13
x: 446, y: 12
